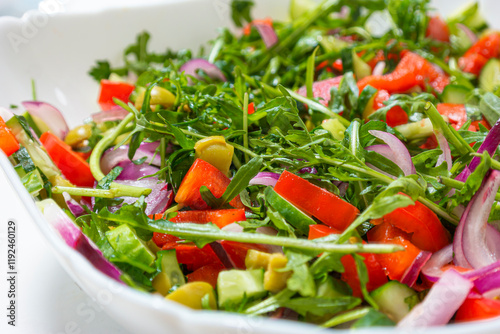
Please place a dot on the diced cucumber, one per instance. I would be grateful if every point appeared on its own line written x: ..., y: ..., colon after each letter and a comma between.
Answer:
x: 33, y: 182
x: 420, y: 129
x: 124, y: 240
x: 459, y: 40
x: 234, y: 285
x: 332, y: 288
x: 334, y: 126
x: 34, y: 122
x: 469, y: 15
x: 455, y: 94
x: 489, y: 79
x: 170, y: 275
x: 390, y: 297
x: 332, y: 44
x: 292, y: 214
x: 41, y: 159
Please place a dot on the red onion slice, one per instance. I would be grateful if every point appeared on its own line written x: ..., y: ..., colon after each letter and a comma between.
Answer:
x: 469, y: 33
x: 401, y: 155
x: 157, y: 201
x: 116, y: 113
x: 445, y: 147
x: 267, y: 34
x: 75, y: 239
x: 191, y: 66
x: 432, y: 269
x: 132, y: 171
x: 50, y: 115
x: 73, y: 206
x: 379, y: 68
x: 112, y: 157
x: 489, y: 284
x: 411, y: 274
x: 470, y: 237
x: 265, y: 179
x: 440, y: 304
x: 383, y: 150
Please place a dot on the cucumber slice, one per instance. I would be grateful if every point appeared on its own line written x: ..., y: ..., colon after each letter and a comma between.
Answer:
x: 292, y: 214
x: 489, y: 79
x: 124, y: 240
x: 470, y: 15
x: 420, y: 129
x: 170, y: 273
x: 390, y: 297
x: 234, y: 285
x: 332, y: 288
x: 361, y: 68
x: 455, y: 94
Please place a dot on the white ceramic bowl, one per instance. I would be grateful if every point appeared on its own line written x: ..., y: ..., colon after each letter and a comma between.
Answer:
x: 57, y: 51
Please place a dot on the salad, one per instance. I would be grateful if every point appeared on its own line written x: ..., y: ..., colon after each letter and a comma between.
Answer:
x: 338, y: 169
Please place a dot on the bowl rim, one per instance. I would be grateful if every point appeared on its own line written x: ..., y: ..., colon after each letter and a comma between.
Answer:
x: 76, y: 264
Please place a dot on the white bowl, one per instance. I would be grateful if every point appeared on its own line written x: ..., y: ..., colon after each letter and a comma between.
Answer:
x: 57, y: 51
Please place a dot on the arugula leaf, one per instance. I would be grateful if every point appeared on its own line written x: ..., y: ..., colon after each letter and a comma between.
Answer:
x: 373, y: 319
x: 310, y: 73
x: 473, y: 182
x: 321, y: 306
x: 240, y: 11
x: 490, y: 107
x: 102, y: 70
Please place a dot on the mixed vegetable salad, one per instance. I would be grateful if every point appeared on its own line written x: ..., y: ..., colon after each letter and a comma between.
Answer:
x: 339, y: 168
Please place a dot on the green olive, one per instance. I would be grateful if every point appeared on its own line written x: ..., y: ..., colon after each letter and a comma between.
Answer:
x: 216, y: 152
x: 159, y: 95
x: 78, y: 134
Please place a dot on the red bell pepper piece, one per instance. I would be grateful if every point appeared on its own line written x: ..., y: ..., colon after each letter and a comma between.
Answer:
x: 248, y: 28
x: 412, y: 71
x: 396, y: 115
x: 111, y: 89
x: 427, y: 232
x: 438, y: 29
x: 8, y: 142
x: 319, y: 231
x: 376, y: 273
x: 208, y: 273
x: 193, y: 257
x: 72, y: 166
x: 251, y: 108
x: 200, y: 174
x: 237, y: 251
x: 478, y: 55
x: 394, y: 264
x: 455, y: 112
x: 220, y: 218
x: 321, y: 89
x: 478, y: 308
x: 316, y: 201
x: 161, y: 239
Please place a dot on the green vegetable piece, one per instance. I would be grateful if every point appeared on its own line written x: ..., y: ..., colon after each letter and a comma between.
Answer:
x: 373, y: 319
x: 170, y: 273
x: 469, y: 15
x: 489, y: 79
x: 390, y: 298
x: 332, y: 288
x: 455, y: 94
x: 124, y: 240
x: 33, y: 182
x: 361, y: 68
x: 292, y: 214
x: 300, y: 7
x: 235, y: 285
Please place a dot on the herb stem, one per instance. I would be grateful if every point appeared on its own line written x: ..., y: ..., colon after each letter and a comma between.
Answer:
x: 245, y: 124
x: 95, y: 161
x: 345, y: 317
x: 452, y: 183
x: 91, y: 192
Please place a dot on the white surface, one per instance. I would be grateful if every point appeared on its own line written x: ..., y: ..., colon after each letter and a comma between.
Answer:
x: 48, y: 300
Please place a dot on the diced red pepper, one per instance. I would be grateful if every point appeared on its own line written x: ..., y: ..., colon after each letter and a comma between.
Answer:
x: 220, y: 218
x: 8, y: 143
x: 208, y: 273
x: 478, y: 55
x: 321, y: 89
x: 316, y: 201
x: 412, y: 71
x: 73, y: 167
x: 478, y: 309
x: 193, y: 257
x: 438, y: 29
x: 114, y: 89
x: 161, y: 239
x: 251, y: 108
x: 376, y: 274
x: 455, y: 113
x: 427, y: 232
x: 394, y: 264
x: 319, y: 231
x: 396, y: 115
x: 200, y: 174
